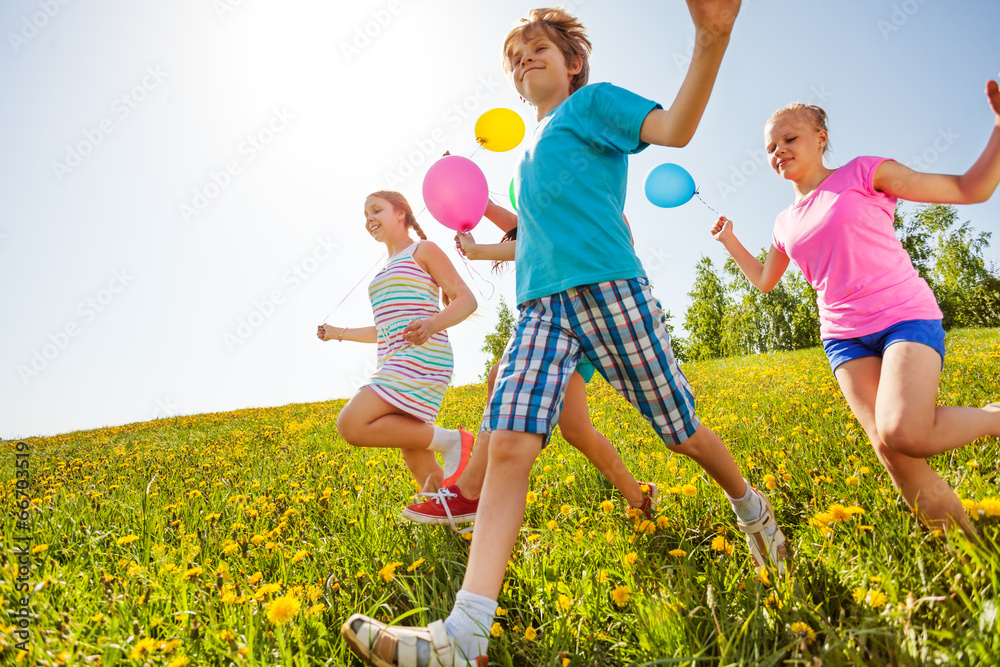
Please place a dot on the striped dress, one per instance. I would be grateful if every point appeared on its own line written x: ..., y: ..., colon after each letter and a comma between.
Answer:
x: 410, y: 377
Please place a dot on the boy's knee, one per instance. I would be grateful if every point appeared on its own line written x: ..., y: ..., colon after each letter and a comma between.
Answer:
x: 510, y: 449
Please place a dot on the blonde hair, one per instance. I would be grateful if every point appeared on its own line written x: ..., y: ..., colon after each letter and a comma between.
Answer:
x: 399, y: 203
x: 813, y: 114
x: 562, y: 29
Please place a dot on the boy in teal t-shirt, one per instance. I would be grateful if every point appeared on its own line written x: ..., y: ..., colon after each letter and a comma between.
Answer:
x: 581, y: 290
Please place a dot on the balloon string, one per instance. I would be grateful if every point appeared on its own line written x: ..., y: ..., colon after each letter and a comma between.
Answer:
x: 705, y: 203
x: 468, y: 267
x: 384, y: 255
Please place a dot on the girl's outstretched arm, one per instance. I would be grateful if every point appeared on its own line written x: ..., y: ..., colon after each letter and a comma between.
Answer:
x: 974, y: 186
x: 713, y: 23
x: 467, y: 245
x: 762, y: 276
x: 355, y: 334
x: 463, y: 303
x: 501, y: 217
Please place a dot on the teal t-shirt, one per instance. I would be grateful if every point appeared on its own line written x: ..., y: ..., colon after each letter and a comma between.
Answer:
x: 570, y: 191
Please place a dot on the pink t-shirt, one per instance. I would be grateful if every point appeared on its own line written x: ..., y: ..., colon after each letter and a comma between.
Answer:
x: 841, y: 237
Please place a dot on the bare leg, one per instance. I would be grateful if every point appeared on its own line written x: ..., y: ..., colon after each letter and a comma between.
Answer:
x: 576, y: 427
x: 919, y: 485
x: 708, y: 451
x: 368, y: 421
x: 501, y: 510
x: 906, y: 415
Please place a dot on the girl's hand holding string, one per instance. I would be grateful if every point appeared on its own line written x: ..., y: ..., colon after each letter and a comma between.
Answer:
x: 464, y: 243
x: 722, y: 230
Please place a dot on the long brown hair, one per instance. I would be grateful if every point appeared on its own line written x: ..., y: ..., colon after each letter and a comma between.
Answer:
x: 399, y: 203
x: 509, y: 236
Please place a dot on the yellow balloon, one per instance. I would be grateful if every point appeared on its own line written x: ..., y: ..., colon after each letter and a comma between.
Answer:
x: 499, y: 130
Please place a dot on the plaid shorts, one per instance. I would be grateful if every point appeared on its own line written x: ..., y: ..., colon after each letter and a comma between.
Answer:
x: 619, y: 326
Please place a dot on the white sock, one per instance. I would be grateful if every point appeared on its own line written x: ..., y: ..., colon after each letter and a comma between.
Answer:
x: 469, y: 624
x: 449, y: 445
x: 748, y: 508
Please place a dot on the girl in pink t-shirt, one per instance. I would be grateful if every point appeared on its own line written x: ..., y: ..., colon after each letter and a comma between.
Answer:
x: 879, y: 320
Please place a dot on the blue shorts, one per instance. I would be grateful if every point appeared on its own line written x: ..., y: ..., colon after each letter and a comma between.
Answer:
x: 926, y: 332
x: 618, y: 326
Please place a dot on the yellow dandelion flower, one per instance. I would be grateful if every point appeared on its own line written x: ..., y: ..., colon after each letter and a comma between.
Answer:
x: 859, y: 594
x: 532, y: 497
x: 315, y: 609
x: 415, y: 565
x: 388, y: 573
x: 991, y: 506
x: 564, y: 602
x: 851, y: 481
x: 646, y: 527
x: 39, y: 548
x: 803, y: 630
x: 662, y: 522
x: 227, y: 636
x: 773, y: 602
x: 193, y: 572
x: 631, y: 558
x: 127, y: 539
x: 227, y: 596
x: 96, y: 618
x: 565, y: 510
x: 180, y: 661
x: 551, y: 524
x: 770, y: 481
x: 762, y: 576
x: 720, y: 543
x: 143, y: 648
x: 609, y: 536
x: 679, y: 553
x: 602, y: 577
x: 300, y: 555
x: 689, y: 490
x: 877, y: 599
x: 496, y: 630
x: 267, y: 589
x: 621, y: 595
x: 230, y: 548
x: 530, y: 634
x: 571, y: 479
x: 254, y: 578
x: 607, y: 507
x: 838, y: 513
x: 170, y: 646
x: 283, y: 609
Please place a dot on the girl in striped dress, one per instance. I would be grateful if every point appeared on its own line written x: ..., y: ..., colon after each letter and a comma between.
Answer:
x: 398, y: 406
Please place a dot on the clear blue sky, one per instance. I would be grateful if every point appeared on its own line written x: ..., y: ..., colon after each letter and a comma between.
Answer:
x: 184, y: 181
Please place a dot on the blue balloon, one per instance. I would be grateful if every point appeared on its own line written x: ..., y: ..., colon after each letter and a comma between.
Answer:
x: 669, y: 185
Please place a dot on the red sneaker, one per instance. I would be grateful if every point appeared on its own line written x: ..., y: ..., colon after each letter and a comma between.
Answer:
x: 650, y: 500
x: 467, y: 441
x: 443, y: 508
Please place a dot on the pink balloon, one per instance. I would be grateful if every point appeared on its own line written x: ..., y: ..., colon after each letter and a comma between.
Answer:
x: 456, y: 193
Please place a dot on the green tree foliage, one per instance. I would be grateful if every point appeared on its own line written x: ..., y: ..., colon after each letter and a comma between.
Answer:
x: 705, y: 316
x: 496, y: 342
x: 949, y: 255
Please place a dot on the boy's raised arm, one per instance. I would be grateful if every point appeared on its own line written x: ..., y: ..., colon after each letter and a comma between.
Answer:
x: 713, y: 22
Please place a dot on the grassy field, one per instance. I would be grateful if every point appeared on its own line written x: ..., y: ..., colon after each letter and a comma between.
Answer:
x: 248, y: 537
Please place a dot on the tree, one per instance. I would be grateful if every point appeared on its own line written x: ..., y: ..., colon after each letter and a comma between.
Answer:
x: 949, y: 256
x: 704, y: 317
x: 496, y: 342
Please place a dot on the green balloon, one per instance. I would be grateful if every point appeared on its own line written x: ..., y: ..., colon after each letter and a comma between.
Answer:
x: 513, y: 200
